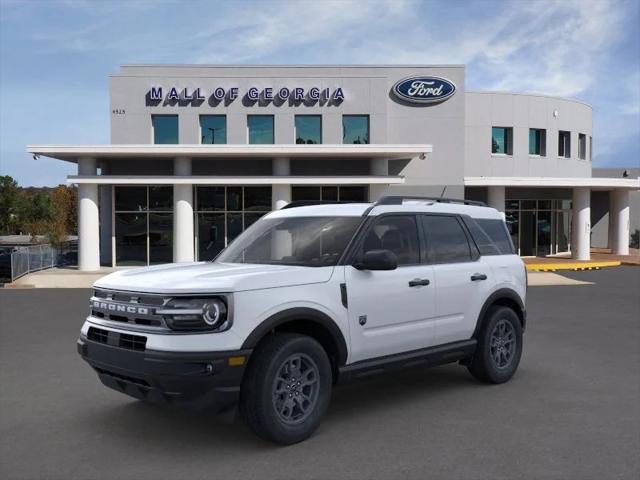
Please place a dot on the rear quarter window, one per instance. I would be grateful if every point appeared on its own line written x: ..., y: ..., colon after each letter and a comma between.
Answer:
x: 496, y: 230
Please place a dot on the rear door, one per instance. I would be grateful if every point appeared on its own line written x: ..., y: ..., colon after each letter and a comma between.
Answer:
x: 391, y: 311
x: 462, y: 277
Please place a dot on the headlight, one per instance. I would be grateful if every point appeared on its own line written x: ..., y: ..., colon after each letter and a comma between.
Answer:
x: 196, y: 314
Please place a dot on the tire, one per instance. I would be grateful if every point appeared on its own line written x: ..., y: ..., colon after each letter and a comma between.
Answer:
x: 276, y: 407
x: 499, y: 346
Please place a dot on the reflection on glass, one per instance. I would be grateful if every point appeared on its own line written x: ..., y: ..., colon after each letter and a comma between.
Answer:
x: 355, y: 129
x: 165, y: 129
x: 131, y: 199
x: 260, y: 129
x: 564, y: 231
x: 160, y: 238
x: 213, y: 129
x: 353, y: 194
x: 210, y: 235
x: 330, y: 193
x: 308, y: 129
x: 498, y: 140
x: 512, y: 219
x: 234, y: 198
x: 210, y: 198
x: 131, y: 238
x: 161, y: 198
x: 305, y: 193
x: 544, y: 233
x: 234, y: 226
x: 257, y: 198
x: 527, y: 233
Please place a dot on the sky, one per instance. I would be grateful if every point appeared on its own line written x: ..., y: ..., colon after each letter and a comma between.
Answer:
x: 56, y: 56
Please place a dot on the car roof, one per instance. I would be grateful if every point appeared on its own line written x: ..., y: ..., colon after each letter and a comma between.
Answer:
x: 408, y: 206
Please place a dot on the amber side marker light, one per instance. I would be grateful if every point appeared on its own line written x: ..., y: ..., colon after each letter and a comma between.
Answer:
x: 236, y: 361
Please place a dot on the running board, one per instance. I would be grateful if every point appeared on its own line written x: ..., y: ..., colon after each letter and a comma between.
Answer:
x: 428, y: 357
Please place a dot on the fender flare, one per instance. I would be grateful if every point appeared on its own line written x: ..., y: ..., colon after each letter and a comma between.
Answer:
x: 500, y: 294
x: 300, y: 313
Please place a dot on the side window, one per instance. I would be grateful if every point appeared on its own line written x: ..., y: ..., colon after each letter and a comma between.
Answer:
x: 398, y: 234
x: 446, y: 239
x: 498, y: 233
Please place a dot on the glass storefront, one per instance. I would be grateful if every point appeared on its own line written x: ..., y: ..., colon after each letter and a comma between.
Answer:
x: 143, y: 222
x: 539, y: 227
x: 334, y: 193
x: 222, y: 213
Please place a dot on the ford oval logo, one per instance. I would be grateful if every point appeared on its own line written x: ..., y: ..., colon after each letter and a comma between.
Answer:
x: 424, y: 89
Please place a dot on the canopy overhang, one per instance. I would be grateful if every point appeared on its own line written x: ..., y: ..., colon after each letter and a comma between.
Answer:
x: 239, y: 180
x: 595, y: 183
x: 71, y: 153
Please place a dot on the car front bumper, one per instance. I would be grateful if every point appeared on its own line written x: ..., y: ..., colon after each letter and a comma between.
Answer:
x: 192, y: 379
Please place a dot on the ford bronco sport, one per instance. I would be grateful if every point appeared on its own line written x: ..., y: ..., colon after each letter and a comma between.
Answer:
x: 312, y: 296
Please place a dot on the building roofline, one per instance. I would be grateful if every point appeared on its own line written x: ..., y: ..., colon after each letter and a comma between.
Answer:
x: 276, y: 65
x: 541, y: 95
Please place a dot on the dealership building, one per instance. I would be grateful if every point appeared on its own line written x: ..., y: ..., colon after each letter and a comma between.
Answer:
x: 198, y: 153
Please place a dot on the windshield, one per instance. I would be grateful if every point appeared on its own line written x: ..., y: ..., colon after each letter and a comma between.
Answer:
x: 304, y: 241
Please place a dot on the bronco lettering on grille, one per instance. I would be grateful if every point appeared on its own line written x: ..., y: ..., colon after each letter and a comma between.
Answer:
x: 117, y: 307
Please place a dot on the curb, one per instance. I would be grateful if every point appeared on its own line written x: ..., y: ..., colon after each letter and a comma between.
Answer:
x: 552, y: 267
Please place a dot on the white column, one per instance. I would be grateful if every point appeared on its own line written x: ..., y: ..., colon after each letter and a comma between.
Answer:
x: 88, y: 219
x: 183, y: 236
x: 496, y: 198
x: 619, y: 214
x: 581, y: 225
x: 379, y: 167
x: 280, y: 194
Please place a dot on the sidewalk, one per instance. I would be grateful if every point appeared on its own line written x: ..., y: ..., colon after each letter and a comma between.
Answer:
x: 60, y: 278
x: 600, y: 258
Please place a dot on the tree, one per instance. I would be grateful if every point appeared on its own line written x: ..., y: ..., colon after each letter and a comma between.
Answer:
x: 64, y: 219
x: 9, y: 194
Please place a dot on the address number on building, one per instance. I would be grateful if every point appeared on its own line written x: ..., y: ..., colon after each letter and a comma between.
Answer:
x: 118, y: 111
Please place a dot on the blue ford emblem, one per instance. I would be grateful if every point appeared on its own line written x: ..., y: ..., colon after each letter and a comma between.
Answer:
x: 424, y: 89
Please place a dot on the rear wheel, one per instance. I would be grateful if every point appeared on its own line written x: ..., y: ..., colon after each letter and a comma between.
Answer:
x: 499, y: 346
x: 287, y: 388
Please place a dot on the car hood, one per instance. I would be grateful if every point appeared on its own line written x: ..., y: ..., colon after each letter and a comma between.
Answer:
x: 211, y: 277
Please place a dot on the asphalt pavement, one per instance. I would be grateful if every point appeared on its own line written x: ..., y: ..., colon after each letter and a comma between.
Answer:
x: 571, y: 412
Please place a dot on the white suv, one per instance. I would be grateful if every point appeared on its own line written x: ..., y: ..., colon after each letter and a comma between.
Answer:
x: 310, y: 296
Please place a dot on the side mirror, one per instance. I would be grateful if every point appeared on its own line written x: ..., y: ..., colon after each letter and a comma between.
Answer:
x: 377, y: 260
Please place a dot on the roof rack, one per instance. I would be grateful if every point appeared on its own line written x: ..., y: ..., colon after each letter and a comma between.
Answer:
x: 398, y: 199
x: 308, y: 203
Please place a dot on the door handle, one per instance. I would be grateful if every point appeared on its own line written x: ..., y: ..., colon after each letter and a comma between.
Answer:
x: 478, y: 276
x: 419, y: 282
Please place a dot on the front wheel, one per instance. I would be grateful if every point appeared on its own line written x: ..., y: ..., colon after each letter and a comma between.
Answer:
x: 499, y: 346
x: 287, y: 388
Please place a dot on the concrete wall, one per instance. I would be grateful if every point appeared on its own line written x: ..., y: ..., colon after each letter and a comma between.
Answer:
x: 522, y: 112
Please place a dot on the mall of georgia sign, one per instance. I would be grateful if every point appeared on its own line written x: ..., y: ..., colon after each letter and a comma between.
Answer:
x: 424, y: 90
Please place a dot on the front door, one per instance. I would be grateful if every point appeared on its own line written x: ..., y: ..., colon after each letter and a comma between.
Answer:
x: 391, y: 311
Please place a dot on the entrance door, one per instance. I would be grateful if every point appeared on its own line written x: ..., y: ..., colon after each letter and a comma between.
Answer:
x: 391, y: 311
x: 544, y: 233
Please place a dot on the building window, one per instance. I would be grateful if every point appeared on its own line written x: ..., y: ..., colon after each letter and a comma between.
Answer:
x: 213, y: 129
x: 143, y: 225
x: 582, y: 146
x: 260, y: 129
x: 165, y: 129
x: 308, y: 129
x: 331, y: 193
x: 502, y: 140
x: 355, y: 129
x: 564, y: 144
x: 590, y: 148
x: 537, y: 142
x: 223, y: 213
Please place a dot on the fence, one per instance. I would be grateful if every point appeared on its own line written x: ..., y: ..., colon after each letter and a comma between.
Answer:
x: 38, y: 257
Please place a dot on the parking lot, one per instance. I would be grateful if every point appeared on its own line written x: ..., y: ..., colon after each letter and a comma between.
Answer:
x: 571, y: 412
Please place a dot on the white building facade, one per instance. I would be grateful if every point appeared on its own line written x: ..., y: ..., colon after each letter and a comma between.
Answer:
x: 199, y: 153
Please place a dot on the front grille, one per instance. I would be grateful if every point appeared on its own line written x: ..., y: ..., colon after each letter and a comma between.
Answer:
x: 116, y: 339
x: 128, y: 308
